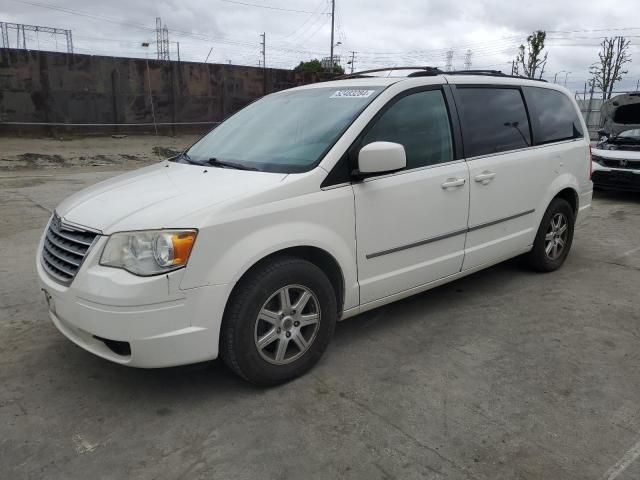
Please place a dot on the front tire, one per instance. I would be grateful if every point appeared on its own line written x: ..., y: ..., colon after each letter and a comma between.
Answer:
x: 279, y: 321
x: 554, y: 238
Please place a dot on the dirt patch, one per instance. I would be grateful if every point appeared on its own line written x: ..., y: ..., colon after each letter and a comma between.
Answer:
x: 165, y: 152
x: 40, y: 160
x: 17, y: 154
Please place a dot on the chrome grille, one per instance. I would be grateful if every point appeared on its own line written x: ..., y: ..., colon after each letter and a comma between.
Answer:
x: 64, y: 250
x: 626, y: 164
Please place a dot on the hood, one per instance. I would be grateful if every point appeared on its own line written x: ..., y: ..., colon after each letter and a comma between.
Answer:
x: 620, y: 113
x: 620, y: 154
x: 159, y: 196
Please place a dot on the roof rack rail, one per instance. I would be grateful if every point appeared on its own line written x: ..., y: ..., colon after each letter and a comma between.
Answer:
x: 491, y: 73
x: 421, y: 71
x: 426, y: 71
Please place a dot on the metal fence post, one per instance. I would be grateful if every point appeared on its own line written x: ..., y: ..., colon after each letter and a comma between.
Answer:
x: 590, y: 105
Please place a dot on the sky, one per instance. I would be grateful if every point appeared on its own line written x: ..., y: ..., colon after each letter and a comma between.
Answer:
x: 381, y: 33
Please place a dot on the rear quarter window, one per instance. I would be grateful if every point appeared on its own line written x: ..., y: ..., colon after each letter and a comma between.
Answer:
x: 494, y: 119
x: 553, y: 116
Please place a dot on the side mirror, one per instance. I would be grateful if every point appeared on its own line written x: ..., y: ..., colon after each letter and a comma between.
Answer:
x: 381, y: 157
x: 602, y: 133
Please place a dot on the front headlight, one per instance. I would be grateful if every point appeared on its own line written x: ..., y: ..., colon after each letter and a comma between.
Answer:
x: 149, y: 253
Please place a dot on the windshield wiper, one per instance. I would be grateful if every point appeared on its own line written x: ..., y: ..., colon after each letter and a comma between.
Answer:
x: 185, y: 156
x: 214, y: 162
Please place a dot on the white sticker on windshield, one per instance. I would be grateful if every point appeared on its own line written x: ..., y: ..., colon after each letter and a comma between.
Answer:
x: 352, y: 93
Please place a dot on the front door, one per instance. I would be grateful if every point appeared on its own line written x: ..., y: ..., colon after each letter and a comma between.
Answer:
x: 411, y: 225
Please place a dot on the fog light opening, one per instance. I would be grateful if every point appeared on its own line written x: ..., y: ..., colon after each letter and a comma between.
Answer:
x: 119, y: 348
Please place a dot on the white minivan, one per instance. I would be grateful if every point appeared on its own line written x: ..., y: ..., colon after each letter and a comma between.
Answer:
x: 312, y: 205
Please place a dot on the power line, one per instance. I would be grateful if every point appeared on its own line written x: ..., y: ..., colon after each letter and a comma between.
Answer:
x: 71, y: 11
x: 316, y: 12
x: 267, y: 7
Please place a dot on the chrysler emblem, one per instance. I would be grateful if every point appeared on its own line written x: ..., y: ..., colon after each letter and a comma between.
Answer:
x: 55, y: 222
x: 58, y: 224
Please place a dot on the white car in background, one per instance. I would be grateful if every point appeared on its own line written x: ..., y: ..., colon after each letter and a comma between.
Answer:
x: 313, y: 205
x: 617, y: 161
x: 616, y: 157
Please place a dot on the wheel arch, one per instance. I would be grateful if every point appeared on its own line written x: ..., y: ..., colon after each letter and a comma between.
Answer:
x: 571, y: 196
x: 318, y: 256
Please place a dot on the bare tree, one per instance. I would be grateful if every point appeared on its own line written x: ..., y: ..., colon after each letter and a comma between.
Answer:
x: 531, y: 58
x: 613, y: 55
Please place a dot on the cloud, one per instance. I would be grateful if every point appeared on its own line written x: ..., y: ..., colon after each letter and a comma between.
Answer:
x: 383, y: 33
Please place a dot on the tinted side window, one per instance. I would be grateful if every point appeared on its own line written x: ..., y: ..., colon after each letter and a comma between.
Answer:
x: 420, y: 123
x: 553, y: 115
x: 493, y: 120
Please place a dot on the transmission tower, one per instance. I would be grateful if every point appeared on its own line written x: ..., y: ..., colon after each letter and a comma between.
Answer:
x: 165, y: 43
x: 449, y: 66
x: 21, y: 38
x: 159, y: 38
x: 162, y: 40
x: 467, y: 60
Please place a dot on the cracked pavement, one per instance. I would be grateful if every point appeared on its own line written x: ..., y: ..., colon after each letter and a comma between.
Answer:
x: 504, y: 374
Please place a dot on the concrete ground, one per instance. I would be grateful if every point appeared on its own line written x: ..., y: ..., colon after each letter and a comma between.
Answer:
x: 506, y: 374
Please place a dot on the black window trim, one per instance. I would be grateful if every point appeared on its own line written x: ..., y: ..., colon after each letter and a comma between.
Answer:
x: 333, y: 179
x: 457, y: 99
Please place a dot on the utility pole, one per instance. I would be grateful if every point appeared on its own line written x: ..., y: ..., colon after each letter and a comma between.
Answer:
x: 264, y: 62
x: 178, y: 49
x: 590, y: 104
x: 353, y: 60
x: 333, y: 11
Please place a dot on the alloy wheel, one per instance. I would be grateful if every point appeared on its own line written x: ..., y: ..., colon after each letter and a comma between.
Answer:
x: 287, y: 324
x: 555, y: 240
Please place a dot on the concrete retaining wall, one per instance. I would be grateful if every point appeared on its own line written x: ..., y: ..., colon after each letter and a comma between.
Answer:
x: 53, y: 87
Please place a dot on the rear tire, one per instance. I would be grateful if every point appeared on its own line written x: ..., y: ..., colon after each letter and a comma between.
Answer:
x: 279, y: 321
x: 554, y: 238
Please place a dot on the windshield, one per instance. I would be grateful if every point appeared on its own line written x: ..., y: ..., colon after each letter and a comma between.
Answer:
x: 633, y: 134
x: 285, y: 132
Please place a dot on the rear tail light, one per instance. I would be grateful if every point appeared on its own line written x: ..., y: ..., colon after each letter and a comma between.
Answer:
x: 590, y: 162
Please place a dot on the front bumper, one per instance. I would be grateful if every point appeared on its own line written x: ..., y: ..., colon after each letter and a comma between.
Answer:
x: 136, y: 321
x: 615, y: 178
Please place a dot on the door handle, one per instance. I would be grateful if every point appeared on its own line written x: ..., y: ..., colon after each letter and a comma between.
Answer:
x: 453, y: 182
x: 484, y: 177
